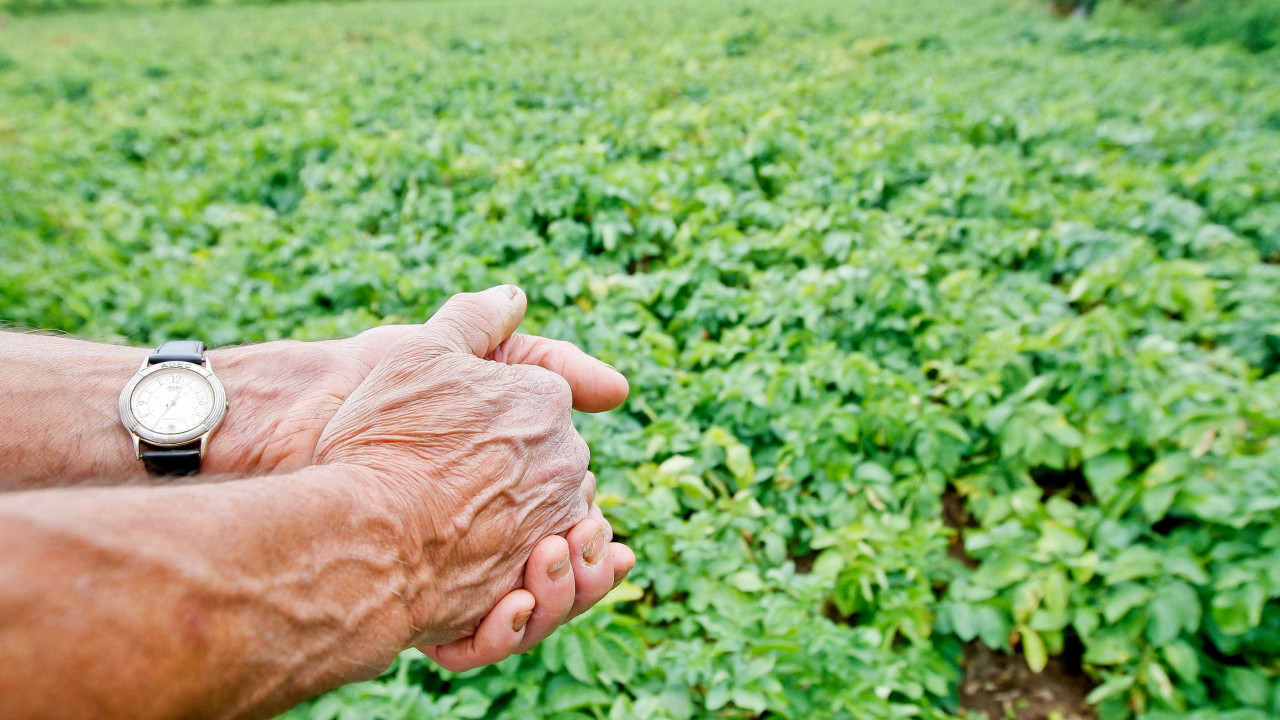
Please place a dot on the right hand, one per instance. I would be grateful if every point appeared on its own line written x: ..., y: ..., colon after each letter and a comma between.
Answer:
x: 468, y: 428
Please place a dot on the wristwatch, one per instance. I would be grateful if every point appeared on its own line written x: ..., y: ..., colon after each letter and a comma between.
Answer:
x: 171, y: 407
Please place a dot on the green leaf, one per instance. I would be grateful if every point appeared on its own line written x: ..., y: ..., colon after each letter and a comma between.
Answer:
x: 575, y: 659
x: 1033, y: 649
x: 873, y: 474
x: 1183, y: 660
x: 964, y: 622
x: 1134, y: 563
x: 718, y: 697
x: 993, y: 626
x: 1157, y: 501
x: 747, y: 581
x: 1248, y: 685
x: 752, y: 700
x: 1158, y: 681
x: 564, y: 696
x: 738, y: 459
x: 1060, y: 541
x: 1086, y: 622
x: 1057, y: 594
x: 1108, y: 647
x: 1001, y: 572
x: 1105, y: 473
x: 1175, y: 609
x: 1237, y: 610
x: 1125, y: 598
x: 1112, y: 687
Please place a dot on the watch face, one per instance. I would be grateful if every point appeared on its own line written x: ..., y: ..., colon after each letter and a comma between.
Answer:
x: 172, y: 401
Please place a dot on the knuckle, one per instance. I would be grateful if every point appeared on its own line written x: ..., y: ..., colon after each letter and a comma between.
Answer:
x: 465, y: 308
x: 569, y: 458
x: 414, y: 344
x: 563, y: 394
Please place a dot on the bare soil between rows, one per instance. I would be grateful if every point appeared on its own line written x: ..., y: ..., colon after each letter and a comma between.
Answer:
x: 1001, y: 687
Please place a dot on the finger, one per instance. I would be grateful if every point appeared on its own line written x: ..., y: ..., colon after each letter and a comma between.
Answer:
x: 549, y: 576
x: 592, y: 564
x: 623, y: 561
x: 596, y: 386
x: 476, y: 323
x: 498, y: 636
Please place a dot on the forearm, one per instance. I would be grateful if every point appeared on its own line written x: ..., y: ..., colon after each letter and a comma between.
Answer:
x: 59, y: 422
x: 235, y: 599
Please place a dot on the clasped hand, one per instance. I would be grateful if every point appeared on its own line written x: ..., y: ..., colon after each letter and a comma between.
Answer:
x: 468, y: 427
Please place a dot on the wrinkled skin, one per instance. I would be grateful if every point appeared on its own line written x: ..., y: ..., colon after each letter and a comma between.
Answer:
x: 483, y: 454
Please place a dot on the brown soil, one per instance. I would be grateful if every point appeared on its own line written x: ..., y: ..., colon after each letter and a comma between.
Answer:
x: 1001, y: 687
x: 804, y: 563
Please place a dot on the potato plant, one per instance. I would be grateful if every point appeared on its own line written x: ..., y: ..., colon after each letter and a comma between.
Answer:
x: 859, y: 261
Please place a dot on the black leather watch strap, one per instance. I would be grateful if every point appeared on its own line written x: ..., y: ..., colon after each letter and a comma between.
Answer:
x: 191, y: 351
x: 182, y: 460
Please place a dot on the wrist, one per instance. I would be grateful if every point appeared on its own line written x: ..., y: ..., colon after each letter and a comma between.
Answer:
x: 69, y: 431
x: 417, y: 545
x: 392, y: 521
x: 267, y: 429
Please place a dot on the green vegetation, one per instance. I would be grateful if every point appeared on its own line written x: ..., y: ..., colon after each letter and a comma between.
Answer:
x: 858, y: 260
x: 1253, y: 24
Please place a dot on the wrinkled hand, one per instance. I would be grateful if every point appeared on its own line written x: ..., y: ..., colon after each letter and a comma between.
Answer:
x: 295, y: 388
x: 469, y: 427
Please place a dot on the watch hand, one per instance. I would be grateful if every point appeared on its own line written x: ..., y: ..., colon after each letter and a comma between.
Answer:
x: 168, y: 407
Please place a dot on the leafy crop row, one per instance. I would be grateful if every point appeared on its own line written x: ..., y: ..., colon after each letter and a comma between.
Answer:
x: 858, y: 260
x: 1252, y: 24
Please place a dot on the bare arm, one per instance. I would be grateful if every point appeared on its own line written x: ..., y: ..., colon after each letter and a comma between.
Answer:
x: 229, y: 600
x: 60, y: 425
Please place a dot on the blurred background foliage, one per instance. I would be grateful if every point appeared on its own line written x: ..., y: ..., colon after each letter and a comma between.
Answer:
x: 948, y: 325
x: 1254, y: 24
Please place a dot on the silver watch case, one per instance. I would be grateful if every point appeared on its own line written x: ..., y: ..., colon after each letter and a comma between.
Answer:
x: 202, y: 432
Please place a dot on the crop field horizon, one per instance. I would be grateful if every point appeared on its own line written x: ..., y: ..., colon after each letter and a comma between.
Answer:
x: 952, y: 328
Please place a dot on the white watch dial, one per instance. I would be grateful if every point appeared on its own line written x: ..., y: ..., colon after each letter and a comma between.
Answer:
x: 172, y: 402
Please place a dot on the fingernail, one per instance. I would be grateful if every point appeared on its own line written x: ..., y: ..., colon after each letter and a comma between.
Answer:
x: 591, y: 551
x: 560, y: 570
x: 512, y: 291
x: 619, y: 576
x: 522, y: 617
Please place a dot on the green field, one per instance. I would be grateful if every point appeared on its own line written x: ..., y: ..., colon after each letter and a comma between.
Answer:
x: 947, y: 322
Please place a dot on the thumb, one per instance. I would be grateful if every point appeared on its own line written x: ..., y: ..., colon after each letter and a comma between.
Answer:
x: 476, y: 323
